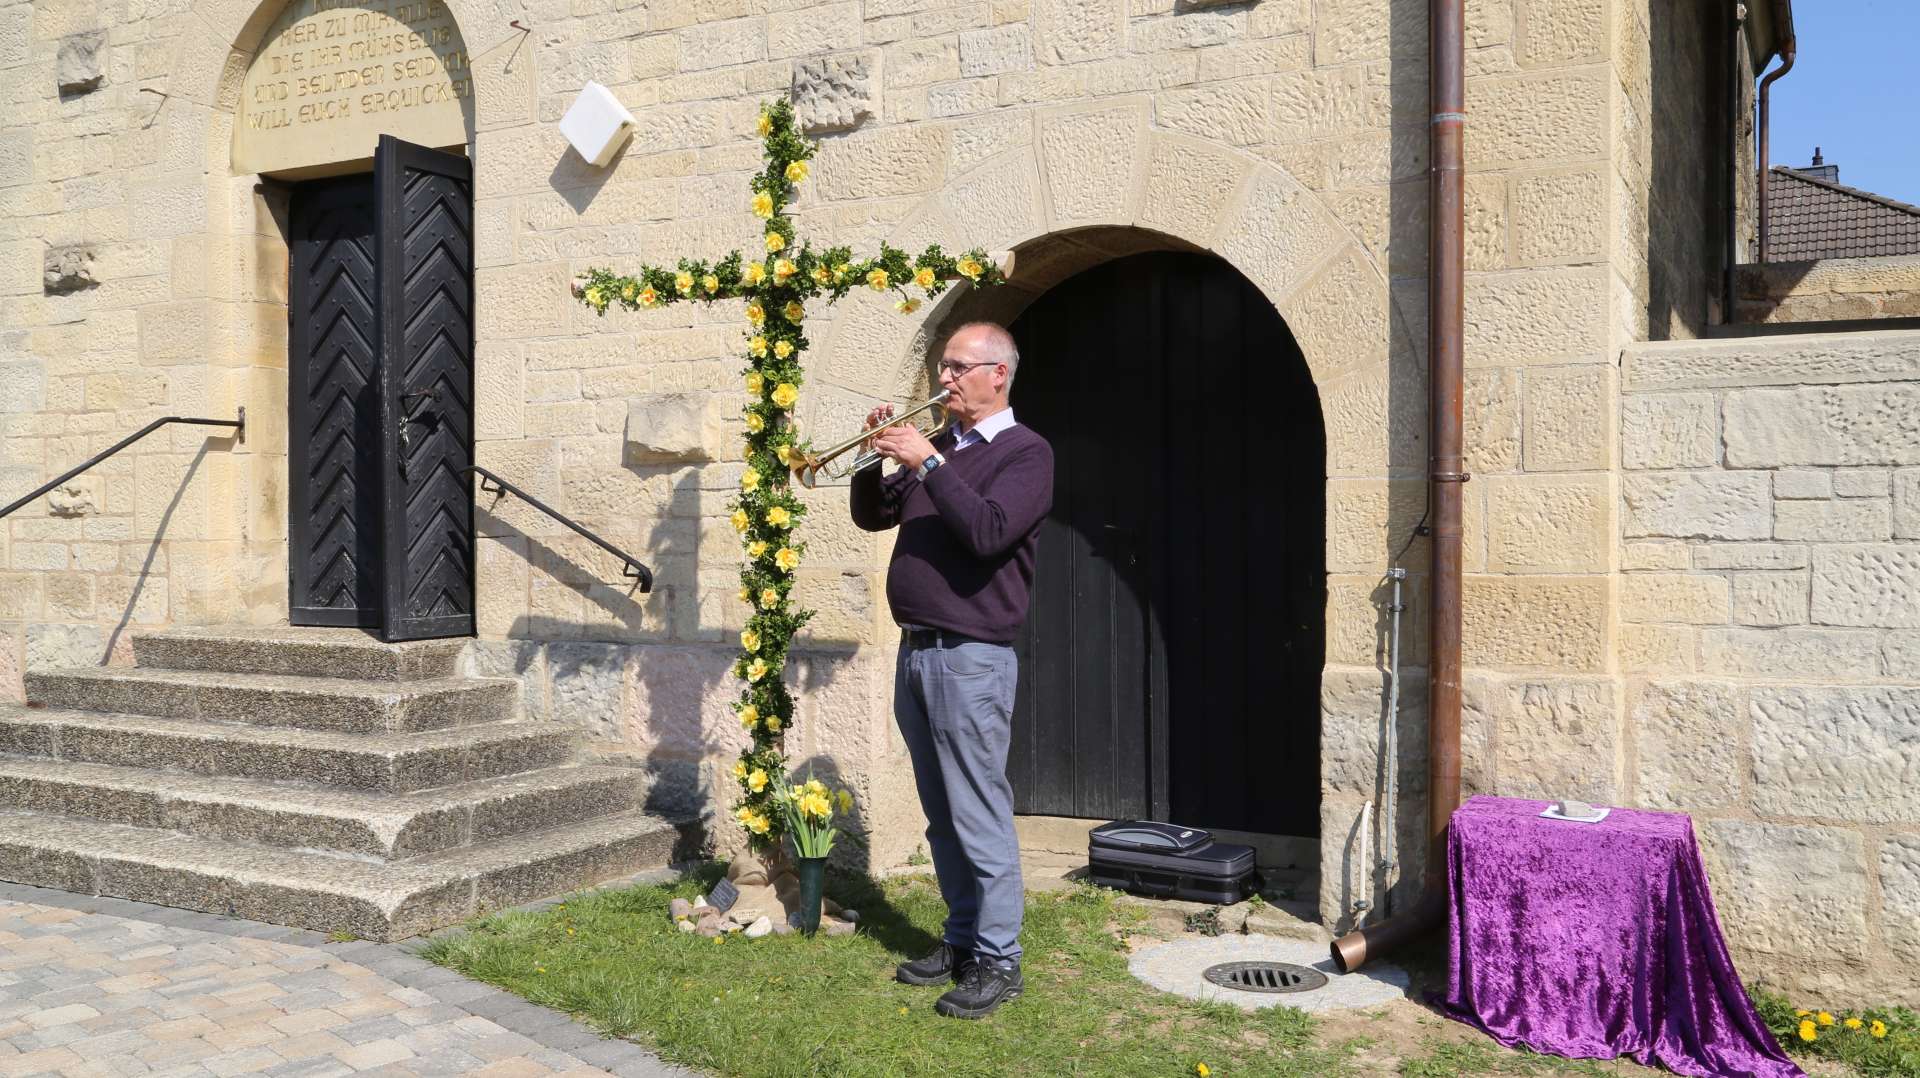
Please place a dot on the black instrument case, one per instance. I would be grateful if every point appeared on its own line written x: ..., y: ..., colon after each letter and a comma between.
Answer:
x: 1170, y: 861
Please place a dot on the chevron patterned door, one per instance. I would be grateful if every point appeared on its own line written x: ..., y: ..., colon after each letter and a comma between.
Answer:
x: 333, y: 416
x: 424, y: 235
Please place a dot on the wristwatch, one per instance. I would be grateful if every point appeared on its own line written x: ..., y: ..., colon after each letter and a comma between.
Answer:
x: 928, y: 465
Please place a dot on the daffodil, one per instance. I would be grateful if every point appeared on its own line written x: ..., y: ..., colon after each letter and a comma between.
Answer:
x: 769, y: 598
x: 1878, y: 1028
x: 776, y: 242
x: 763, y: 205
x: 969, y: 269
x: 756, y: 548
x: 749, y: 716
x: 755, y: 424
x: 787, y: 559
x: 749, y: 640
x: 757, y: 781
x: 756, y: 314
x: 757, y: 347
x: 756, y: 669
x: 749, y: 479
x: 923, y: 277
x: 764, y: 126
x: 740, y: 520
x: 778, y: 516
x: 782, y: 349
x: 1806, y: 1029
x: 794, y: 311
x: 907, y: 306
x: 877, y: 280
x: 683, y: 283
x: 785, y: 394
x: 711, y: 283
x: 815, y: 786
x: 796, y: 171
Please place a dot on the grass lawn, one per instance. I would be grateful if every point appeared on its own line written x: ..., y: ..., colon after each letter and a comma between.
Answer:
x: 794, y: 1006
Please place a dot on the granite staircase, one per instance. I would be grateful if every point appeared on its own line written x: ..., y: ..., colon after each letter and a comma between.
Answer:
x: 309, y: 777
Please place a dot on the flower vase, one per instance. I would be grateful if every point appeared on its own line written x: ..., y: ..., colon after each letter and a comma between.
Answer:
x: 813, y: 875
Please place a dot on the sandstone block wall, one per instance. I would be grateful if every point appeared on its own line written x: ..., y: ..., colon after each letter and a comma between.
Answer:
x: 1832, y: 289
x: 1770, y: 639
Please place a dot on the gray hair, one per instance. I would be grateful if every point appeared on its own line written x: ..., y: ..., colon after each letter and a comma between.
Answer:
x: 996, y: 345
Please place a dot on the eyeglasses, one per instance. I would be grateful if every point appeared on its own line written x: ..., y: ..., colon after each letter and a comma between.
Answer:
x: 958, y: 369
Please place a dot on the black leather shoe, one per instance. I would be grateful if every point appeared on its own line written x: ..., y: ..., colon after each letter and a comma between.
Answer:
x: 983, y: 988
x: 942, y: 964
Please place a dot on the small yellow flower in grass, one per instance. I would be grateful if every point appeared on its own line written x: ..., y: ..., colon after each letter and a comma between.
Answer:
x: 749, y: 640
x: 683, y: 283
x: 756, y: 548
x: 763, y: 205
x: 903, y: 1010
x: 769, y: 598
x: 749, y: 479
x: 784, y: 269
x: 1806, y: 1029
x: 757, y: 781
x: 756, y: 382
x: 1824, y: 1018
x: 787, y: 559
x: 1202, y: 1070
x: 539, y: 969
x: 1878, y: 1028
x: 755, y: 424
x: 970, y: 269
x: 794, y: 311
x: 782, y: 349
x: 785, y: 394
x: 907, y: 306
x: 756, y: 314
x: 756, y: 669
x: 753, y: 273
x: 764, y: 126
x: 1853, y: 1023
x: 717, y: 940
x: 796, y: 171
x: 877, y: 280
x: 778, y: 516
x: 757, y: 347
x: 569, y: 931
x: 776, y: 242
x: 923, y: 277
x: 740, y: 520
x: 711, y: 283
x: 749, y: 717
x: 648, y: 297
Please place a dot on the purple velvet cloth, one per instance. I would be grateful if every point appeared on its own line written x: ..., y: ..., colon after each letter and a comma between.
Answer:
x: 1596, y: 940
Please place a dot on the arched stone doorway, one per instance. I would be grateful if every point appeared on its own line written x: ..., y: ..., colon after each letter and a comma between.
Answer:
x: 1171, y: 665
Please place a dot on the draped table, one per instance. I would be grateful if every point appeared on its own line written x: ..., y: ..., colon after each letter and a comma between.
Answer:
x: 1596, y: 940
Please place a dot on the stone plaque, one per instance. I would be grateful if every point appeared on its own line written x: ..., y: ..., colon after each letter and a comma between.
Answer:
x: 332, y: 76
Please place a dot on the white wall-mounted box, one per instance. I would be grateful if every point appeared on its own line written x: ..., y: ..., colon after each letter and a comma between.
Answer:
x: 597, y: 124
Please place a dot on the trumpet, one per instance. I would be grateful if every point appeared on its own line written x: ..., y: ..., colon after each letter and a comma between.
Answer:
x: 808, y: 467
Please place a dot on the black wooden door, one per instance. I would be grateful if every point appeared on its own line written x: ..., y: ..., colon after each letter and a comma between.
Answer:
x: 1171, y: 664
x: 333, y: 415
x: 425, y: 242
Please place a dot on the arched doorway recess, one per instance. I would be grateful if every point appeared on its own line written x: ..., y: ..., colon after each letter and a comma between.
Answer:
x: 1171, y: 664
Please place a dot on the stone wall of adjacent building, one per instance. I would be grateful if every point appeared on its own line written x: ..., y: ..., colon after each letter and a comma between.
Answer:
x: 1770, y: 637
x: 1830, y: 289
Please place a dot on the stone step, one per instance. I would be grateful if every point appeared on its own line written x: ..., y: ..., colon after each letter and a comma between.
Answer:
x: 312, y: 703
x: 386, y: 827
x: 391, y: 763
x: 375, y: 901
x: 298, y: 650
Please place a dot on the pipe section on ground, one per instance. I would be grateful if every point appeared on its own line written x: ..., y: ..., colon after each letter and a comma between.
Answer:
x: 1446, y: 225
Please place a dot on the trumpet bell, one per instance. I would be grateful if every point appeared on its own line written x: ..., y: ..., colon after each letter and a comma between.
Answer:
x: 930, y: 417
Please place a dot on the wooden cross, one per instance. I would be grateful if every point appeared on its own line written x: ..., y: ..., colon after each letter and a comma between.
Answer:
x: 776, y: 287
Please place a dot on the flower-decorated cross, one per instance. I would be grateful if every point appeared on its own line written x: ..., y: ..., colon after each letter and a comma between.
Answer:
x: 776, y: 288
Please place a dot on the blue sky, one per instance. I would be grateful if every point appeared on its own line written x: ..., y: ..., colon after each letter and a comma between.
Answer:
x: 1854, y: 91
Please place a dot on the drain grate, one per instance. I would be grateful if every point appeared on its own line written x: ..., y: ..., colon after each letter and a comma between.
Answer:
x: 1265, y: 977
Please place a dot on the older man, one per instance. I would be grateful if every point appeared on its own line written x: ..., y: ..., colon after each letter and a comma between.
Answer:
x: 968, y: 505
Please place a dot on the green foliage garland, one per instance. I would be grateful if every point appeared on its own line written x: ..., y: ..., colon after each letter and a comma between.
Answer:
x: 776, y: 288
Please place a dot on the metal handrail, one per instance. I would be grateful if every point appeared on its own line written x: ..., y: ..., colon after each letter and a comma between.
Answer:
x: 634, y: 569
x: 239, y: 426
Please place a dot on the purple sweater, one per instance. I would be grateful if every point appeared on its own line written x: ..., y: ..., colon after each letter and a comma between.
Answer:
x: 964, y: 557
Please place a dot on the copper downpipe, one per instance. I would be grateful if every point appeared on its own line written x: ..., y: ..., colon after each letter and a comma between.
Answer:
x: 1783, y: 30
x: 1446, y: 223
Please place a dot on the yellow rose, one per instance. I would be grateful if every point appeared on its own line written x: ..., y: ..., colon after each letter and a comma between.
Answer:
x: 628, y: 291
x: 907, y: 306
x: 740, y: 772
x: 745, y: 813
x: 1878, y: 1029
x: 749, y: 640
x: 683, y: 283
x: 757, y: 347
x: 840, y: 272
x: 763, y: 205
x: 744, y: 595
x: 776, y: 242
x: 757, y: 781
x: 785, y: 453
x: 769, y: 599
x: 1806, y: 1030
x: 764, y: 127
x: 969, y: 269
x: 785, y: 394
x: 740, y: 520
x: 749, y: 479
x: 773, y: 724
x: 710, y: 283
x: 923, y: 277
x: 756, y: 314
x: 595, y: 298
x: 755, y: 424
x: 755, y: 381
x: 1824, y: 1018
x: 778, y: 516
x: 787, y: 559
x: 756, y: 548
x: 821, y: 275
x: 648, y: 297
x: 749, y: 715
x: 759, y: 826
x: 877, y: 280
x: 782, y: 349
x: 1853, y: 1023
x: 753, y: 273
x: 796, y: 171
x: 783, y: 269
x: 794, y: 311
x: 756, y: 669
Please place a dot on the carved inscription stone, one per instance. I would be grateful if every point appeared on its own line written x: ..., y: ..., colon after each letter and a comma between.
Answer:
x: 332, y: 76
x: 834, y: 93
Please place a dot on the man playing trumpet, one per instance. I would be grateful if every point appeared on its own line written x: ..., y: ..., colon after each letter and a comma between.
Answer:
x: 968, y: 505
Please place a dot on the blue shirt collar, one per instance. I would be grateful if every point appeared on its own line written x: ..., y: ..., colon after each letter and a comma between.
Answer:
x: 988, y: 427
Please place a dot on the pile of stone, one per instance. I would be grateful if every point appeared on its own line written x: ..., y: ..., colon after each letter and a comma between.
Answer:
x: 764, y: 903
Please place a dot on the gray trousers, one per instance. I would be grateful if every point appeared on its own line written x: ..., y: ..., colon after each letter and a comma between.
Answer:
x: 954, y: 705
